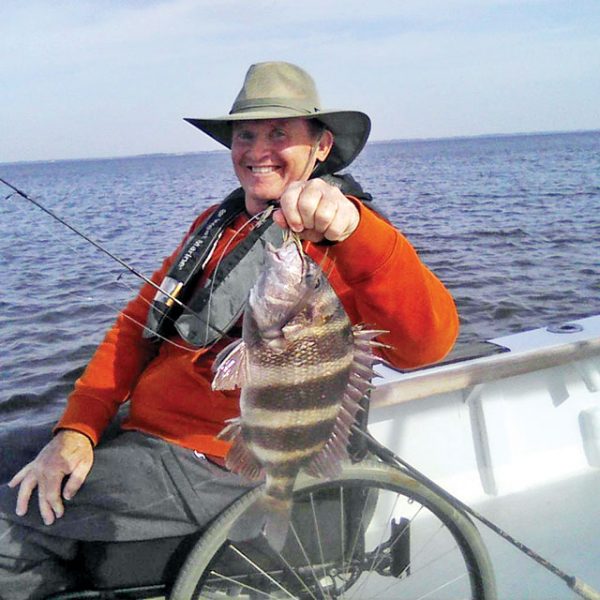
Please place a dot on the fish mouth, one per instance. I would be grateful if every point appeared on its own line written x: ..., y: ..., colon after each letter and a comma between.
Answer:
x: 275, y: 252
x: 290, y: 243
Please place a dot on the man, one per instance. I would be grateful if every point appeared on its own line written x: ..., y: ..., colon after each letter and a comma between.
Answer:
x: 162, y: 475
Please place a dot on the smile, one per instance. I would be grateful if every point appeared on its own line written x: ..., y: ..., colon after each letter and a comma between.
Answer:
x: 262, y: 170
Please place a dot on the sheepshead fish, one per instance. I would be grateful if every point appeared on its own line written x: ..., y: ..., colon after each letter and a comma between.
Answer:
x: 302, y: 368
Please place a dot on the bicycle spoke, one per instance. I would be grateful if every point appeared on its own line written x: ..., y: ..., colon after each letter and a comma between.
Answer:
x: 441, y: 587
x: 375, y: 533
x: 240, y: 584
x: 318, y: 533
x: 309, y: 563
x: 261, y: 571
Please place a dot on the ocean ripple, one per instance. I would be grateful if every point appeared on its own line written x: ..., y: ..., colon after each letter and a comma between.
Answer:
x: 510, y: 224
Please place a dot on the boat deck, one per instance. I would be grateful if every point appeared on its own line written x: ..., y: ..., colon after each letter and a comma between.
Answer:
x: 559, y: 521
x: 515, y: 434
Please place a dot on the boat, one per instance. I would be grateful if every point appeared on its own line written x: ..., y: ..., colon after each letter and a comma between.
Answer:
x: 509, y: 427
x: 512, y: 428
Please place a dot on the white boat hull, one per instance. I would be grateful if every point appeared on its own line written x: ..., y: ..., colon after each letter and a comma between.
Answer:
x: 517, y: 436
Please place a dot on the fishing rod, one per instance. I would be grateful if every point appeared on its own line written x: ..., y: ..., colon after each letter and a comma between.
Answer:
x: 102, y: 248
x: 98, y: 245
x: 581, y: 588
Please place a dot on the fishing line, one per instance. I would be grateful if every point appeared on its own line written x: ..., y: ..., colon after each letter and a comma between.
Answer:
x: 101, y: 247
x: 89, y: 298
x: 257, y: 220
x: 144, y: 326
x: 581, y: 588
x: 94, y: 243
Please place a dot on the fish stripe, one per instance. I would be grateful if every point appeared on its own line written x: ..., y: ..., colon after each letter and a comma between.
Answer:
x: 338, y: 324
x: 291, y: 437
x: 270, y: 456
x: 280, y: 487
x: 307, y: 417
x: 313, y: 394
x: 326, y: 342
x: 294, y: 374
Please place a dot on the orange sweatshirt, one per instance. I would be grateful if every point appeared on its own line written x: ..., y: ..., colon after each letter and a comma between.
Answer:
x: 378, y: 278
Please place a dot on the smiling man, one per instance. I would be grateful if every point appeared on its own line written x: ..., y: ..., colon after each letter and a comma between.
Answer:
x: 273, y: 160
x: 162, y: 474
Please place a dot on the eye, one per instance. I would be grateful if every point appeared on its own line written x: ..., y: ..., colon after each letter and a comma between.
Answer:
x: 278, y: 134
x: 243, y: 135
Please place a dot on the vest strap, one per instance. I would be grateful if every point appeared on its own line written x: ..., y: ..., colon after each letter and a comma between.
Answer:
x: 188, y: 266
x: 217, y: 306
x: 213, y: 309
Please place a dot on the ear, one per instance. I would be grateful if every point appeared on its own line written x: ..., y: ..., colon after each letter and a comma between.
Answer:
x: 325, y: 145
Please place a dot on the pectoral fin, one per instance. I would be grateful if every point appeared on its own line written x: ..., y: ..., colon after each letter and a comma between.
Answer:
x: 231, y: 367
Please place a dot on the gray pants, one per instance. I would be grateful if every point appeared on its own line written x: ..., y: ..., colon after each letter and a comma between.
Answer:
x: 140, y: 487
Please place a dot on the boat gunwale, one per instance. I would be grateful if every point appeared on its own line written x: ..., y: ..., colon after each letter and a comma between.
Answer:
x: 415, y: 385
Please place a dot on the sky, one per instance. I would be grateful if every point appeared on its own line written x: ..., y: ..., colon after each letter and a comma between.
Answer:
x: 100, y: 78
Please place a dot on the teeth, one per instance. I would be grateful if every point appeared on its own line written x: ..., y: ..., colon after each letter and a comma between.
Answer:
x: 262, y: 169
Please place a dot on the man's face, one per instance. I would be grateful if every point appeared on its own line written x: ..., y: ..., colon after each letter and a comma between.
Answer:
x: 269, y: 155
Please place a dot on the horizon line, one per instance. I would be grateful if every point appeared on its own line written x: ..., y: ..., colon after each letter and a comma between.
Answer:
x: 371, y: 142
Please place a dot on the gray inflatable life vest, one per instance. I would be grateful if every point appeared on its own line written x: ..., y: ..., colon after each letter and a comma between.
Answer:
x: 214, y: 308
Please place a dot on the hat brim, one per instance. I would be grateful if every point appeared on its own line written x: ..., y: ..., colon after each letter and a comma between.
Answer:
x: 350, y: 130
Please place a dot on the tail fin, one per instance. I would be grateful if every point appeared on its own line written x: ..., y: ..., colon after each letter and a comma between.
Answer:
x: 267, y: 515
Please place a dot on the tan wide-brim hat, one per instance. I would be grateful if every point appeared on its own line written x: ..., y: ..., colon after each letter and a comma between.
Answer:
x: 280, y: 90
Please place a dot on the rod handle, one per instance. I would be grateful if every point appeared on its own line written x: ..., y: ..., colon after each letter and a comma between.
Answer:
x: 583, y: 590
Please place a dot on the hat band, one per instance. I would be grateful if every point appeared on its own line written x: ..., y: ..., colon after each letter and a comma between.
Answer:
x: 246, y: 105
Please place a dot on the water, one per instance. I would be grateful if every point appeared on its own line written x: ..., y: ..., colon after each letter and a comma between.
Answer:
x: 510, y: 224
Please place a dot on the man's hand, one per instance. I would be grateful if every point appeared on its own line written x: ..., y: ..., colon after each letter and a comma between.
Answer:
x: 69, y: 454
x: 317, y: 211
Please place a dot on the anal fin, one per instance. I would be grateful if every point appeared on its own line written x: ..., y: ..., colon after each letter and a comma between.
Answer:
x: 239, y: 459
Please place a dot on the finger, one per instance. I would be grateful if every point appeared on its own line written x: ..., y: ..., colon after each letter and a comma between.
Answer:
x: 49, y: 500
x: 75, y: 481
x: 325, y: 214
x: 309, y: 202
x: 288, y: 204
x: 45, y: 511
x: 343, y: 224
x: 279, y: 218
x: 25, y: 490
x: 337, y: 230
x: 311, y: 236
x: 18, y: 477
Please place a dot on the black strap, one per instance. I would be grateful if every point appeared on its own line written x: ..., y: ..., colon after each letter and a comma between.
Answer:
x: 188, y: 266
x: 216, y: 307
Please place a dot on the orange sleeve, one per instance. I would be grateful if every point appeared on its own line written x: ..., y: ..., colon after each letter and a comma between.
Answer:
x: 389, y: 288
x: 113, y: 371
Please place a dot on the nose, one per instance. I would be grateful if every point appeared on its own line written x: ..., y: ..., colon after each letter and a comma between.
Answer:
x: 260, y: 147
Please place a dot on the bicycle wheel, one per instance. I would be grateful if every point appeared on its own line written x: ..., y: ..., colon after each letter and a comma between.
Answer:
x: 374, y: 532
